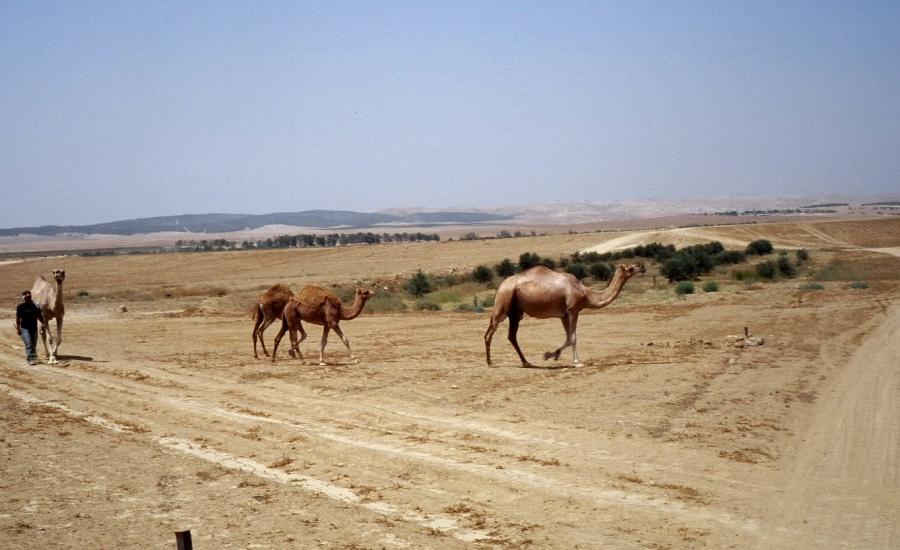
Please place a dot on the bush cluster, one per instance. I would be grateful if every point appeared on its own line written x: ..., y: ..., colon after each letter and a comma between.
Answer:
x: 693, y: 261
x: 782, y: 265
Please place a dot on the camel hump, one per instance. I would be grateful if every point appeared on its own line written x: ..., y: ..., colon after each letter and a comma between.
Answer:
x: 278, y: 291
x: 317, y: 295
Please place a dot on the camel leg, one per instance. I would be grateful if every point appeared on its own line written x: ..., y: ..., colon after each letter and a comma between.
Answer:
x: 278, y: 337
x: 574, y: 339
x: 346, y: 342
x: 44, y: 330
x: 296, y: 344
x: 496, y: 319
x: 513, y: 330
x: 262, y: 329
x: 55, y: 345
x: 325, y: 330
x: 568, y: 328
x: 256, y: 324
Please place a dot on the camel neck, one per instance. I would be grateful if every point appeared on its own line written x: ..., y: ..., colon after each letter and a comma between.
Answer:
x: 602, y: 298
x: 354, y: 309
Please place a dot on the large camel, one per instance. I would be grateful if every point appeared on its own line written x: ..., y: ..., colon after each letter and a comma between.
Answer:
x: 316, y: 305
x: 268, y: 309
x: 545, y: 294
x: 49, y: 299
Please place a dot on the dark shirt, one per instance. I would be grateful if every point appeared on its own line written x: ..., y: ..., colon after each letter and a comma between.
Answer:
x: 29, y: 314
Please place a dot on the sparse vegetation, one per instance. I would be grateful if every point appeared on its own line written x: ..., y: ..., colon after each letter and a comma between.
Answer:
x: 812, y: 286
x: 859, y: 285
x: 427, y: 305
x: 84, y: 294
x: 711, y: 286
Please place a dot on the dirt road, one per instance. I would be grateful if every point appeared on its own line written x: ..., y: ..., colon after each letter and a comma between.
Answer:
x: 841, y: 481
x: 159, y: 424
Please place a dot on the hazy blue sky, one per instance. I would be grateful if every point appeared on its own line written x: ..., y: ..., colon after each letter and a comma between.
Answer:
x: 121, y: 109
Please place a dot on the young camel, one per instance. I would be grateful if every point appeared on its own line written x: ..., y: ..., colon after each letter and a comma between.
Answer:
x: 270, y: 307
x: 50, y: 301
x: 544, y: 294
x: 316, y: 305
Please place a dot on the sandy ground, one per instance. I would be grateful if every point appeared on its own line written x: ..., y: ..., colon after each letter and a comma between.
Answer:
x: 158, y: 420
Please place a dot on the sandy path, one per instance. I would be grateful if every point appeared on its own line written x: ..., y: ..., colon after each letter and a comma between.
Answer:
x: 842, y: 488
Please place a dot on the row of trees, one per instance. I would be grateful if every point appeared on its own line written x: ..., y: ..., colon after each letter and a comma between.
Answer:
x: 303, y: 240
x: 675, y: 264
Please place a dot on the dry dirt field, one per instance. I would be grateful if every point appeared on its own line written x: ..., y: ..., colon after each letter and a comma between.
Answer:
x: 159, y: 420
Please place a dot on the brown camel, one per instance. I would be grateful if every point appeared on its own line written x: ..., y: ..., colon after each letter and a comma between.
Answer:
x: 268, y: 309
x: 544, y: 294
x: 316, y: 305
x: 50, y: 300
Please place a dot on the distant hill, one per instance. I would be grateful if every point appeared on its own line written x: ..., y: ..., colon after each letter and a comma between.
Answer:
x: 224, y: 223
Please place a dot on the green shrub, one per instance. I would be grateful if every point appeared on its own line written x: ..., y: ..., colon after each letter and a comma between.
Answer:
x: 785, y: 267
x: 684, y: 287
x: 812, y: 286
x: 527, y: 260
x: 679, y: 267
x: 743, y: 275
x: 711, y: 286
x: 418, y: 284
x: 84, y: 294
x: 505, y: 268
x: 759, y: 248
x: 802, y: 255
x: 488, y: 301
x: 482, y: 274
x: 578, y: 269
x: 548, y: 262
x: 600, y: 271
x: 767, y: 269
x: 859, y: 284
x: 730, y: 257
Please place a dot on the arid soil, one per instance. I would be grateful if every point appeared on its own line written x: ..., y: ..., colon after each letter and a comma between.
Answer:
x: 159, y: 420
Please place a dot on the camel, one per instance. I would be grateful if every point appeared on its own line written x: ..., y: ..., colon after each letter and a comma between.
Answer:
x: 318, y: 306
x: 50, y: 301
x: 544, y: 294
x: 268, y: 309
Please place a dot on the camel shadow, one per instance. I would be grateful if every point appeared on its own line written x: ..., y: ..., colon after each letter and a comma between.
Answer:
x: 77, y: 358
x: 549, y: 367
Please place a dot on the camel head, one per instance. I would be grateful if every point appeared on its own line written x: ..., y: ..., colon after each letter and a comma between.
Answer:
x: 631, y: 270
x: 59, y: 275
x: 364, y: 293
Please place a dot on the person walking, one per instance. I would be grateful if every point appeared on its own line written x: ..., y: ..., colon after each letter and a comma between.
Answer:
x: 27, y: 317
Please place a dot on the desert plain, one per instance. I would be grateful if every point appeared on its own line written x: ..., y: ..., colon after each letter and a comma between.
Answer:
x: 158, y: 419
